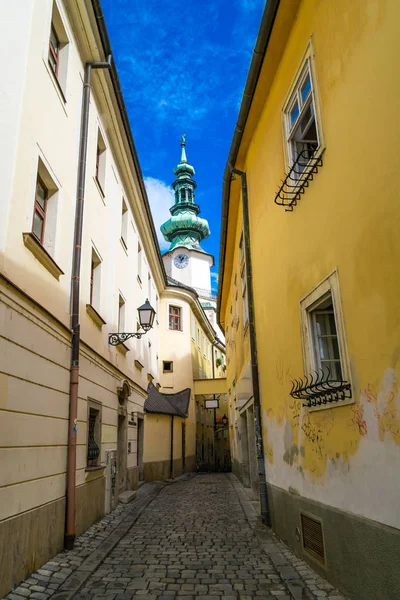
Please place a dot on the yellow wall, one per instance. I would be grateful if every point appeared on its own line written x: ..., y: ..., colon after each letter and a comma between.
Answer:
x: 347, y: 219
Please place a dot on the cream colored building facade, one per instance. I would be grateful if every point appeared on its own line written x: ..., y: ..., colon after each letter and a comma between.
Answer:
x: 120, y: 268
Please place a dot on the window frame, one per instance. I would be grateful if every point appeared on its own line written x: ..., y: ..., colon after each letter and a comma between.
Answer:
x: 95, y: 406
x: 175, y: 316
x: 38, y: 209
x: 307, y: 64
x: 308, y: 304
x: 55, y: 54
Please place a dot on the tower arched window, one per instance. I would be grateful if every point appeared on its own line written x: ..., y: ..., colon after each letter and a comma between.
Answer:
x: 183, y: 194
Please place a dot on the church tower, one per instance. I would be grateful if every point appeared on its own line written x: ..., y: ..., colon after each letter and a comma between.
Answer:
x: 185, y: 260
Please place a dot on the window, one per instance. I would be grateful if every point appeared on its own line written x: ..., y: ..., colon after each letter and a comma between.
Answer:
x: 325, y: 343
x: 121, y: 314
x: 193, y: 327
x: 157, y: 309
x: 45, y: 208
x: 223, y: 359
x: 95, y: 280
x: 198, y: 338
x: 204, y: 346
x: 149, y: 294
x: 139, y: 262
x: 93, y: 433
x: 101, y: 162
x: 300, y: 120
x: 139, y: 341
x: 124, y: 224
x: 168, y: 366
x: 39, y: 213
x: 245, y: 308
x: 57, y: 56
x: 201, y: 374
x: 54, y: 51
x: 241, y: 250
x: 150, y: 356
x: 323, y: 334
x: 175, y: 318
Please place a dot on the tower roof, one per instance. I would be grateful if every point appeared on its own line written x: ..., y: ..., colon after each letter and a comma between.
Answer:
x: 185, y: 229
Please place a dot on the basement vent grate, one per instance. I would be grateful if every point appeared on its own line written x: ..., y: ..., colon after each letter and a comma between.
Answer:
x: 313, y: 538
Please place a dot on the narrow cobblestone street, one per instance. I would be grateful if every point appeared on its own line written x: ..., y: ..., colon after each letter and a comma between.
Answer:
x: 189, y: 539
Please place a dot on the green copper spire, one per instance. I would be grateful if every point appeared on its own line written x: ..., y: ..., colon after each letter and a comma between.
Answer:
x: 185, y: 229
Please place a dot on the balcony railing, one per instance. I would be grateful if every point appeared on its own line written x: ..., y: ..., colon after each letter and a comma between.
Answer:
x: 298, y: 179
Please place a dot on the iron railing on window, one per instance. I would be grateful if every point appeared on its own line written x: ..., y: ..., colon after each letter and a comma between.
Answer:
x: 298, y: 178
x: 319, y: 389
x: 93, y: 449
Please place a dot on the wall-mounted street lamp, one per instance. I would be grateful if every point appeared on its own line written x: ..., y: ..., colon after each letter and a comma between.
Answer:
x: 146, y: 320
x: 224, y: 422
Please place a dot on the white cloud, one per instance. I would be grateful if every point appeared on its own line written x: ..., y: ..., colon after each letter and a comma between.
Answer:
x: 161, y: 197
x: 214, y: 280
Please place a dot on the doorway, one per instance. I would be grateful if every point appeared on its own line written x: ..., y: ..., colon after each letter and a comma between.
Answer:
x: 122, y: 452
x: 183, y: 447
x: 140, y: 432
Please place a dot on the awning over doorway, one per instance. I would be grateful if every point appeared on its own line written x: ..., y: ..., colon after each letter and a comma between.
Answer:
x: 167, y: 404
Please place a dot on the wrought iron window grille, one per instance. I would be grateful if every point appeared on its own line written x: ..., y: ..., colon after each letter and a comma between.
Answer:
x: 93, y: 449
x: 298, y: 178
x: 319, y: 389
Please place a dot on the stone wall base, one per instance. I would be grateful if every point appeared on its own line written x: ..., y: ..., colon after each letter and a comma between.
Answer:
x: 160, y: 470
x: 28, y: 541
x: 90, y: 504
x: 362, y: 557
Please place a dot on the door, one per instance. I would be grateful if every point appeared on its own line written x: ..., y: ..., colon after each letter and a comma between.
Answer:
x: 183, y: 447
x: 122, y: 452
x: 140, y: 431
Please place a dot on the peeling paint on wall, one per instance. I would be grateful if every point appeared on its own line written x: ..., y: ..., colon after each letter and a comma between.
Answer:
x: 343, y: 456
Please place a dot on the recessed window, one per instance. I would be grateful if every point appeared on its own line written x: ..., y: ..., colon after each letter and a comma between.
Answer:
x: 139, y: 262
x: 198, y: 338
x: 95, y: 280
x: 245, y: 308
x: 301, y: 121
x: 175, y: 318
x: 39, y: 213
x: 324, y: 346
x: 124, y: 224
x: 168, y: 366
x: 44, y: 219
x: 193, y: 327
x: 93, y: 434
x: 325, y: 343
x: 54, y: 51
x: 58, y: 50
x: 121, y: 313
x: 101, y: 162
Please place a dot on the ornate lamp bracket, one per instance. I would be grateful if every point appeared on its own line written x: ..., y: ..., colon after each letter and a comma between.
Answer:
x: 115, y: 339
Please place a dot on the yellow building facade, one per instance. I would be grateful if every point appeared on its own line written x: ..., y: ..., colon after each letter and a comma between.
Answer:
x: 322, y: 178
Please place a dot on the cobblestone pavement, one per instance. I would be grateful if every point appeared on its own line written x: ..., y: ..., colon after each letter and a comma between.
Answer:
x: 191, y: 540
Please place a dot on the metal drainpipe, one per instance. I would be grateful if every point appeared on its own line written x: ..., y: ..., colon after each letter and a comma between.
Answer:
x: 171, y: 464
x: 69, y: 536
x: 215, y: 413
x: 265, y: 514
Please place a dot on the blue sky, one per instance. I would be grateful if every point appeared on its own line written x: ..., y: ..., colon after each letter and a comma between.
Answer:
x: 183, y: 67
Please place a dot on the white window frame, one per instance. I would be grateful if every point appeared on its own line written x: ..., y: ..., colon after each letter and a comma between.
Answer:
x: 307, y: 66
x: 193, y: 327
x: 100, y: 171
x: 330, y: 284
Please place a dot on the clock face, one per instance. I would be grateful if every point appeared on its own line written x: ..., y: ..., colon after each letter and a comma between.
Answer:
x: 181, y: 261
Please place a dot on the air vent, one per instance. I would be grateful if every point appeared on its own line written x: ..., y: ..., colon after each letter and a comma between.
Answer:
x: 313, y: 538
